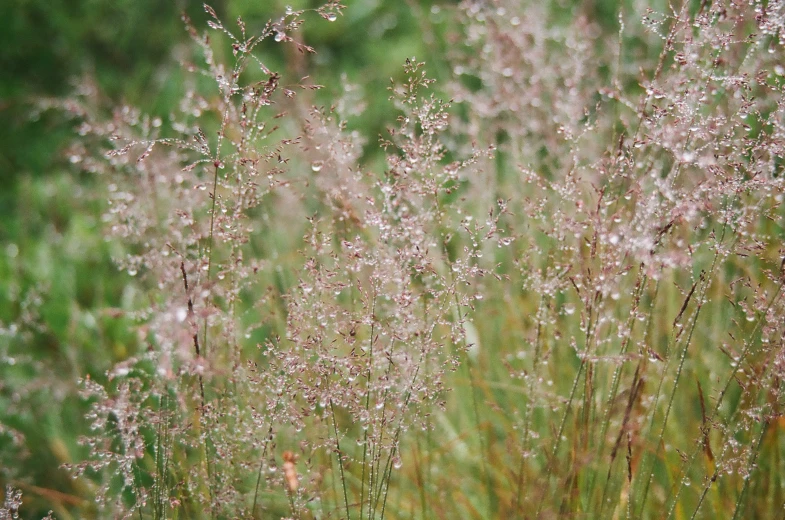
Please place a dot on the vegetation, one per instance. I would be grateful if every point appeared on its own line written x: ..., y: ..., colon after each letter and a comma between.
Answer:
x: 538, y: 274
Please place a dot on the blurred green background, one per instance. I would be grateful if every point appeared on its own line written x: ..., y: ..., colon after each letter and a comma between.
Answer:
x: 127, y: 46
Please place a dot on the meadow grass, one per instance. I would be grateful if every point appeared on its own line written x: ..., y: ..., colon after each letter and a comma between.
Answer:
x: 554, y: 289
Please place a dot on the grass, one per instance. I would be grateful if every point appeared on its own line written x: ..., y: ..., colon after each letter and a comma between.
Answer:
x: 556, y: 295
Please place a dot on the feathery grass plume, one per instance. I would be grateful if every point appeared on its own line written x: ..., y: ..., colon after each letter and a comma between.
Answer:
x: 503, y: 318
x: 649, y: 182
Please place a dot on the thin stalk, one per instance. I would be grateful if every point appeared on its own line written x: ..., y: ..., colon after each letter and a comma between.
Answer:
x: 376, y: 462
x: 667, y: 362
x: 635, y: 388
x: 421, y: 479
x: 340, y: 461
x: 396, y: 437
x: 217, y: 163
x: 640, y: 287
x: 261, y: 467
x: 679, y: 368
x: 427, y: 458
x: 163, y: 438
x: 136, y: 490
x: 715, y: 412
x: 198, y: 352
x: 158, y: 464
x: 368, y: 410
x: 703, y: 495
x: 386, y: 472
x: 616, y: 379
x: 750, y: 468
x: 528, y: 410
x: 386, y: 478
x: 375, y: 467
x: 478, y: 423
x: 376, y: 456
x: 290, y: 495
x: 745, y: 351
x: 563, y: 422
x: 557, y: 440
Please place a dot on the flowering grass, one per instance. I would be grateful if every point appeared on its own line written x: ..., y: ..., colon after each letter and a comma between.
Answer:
x: 560, y: 295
